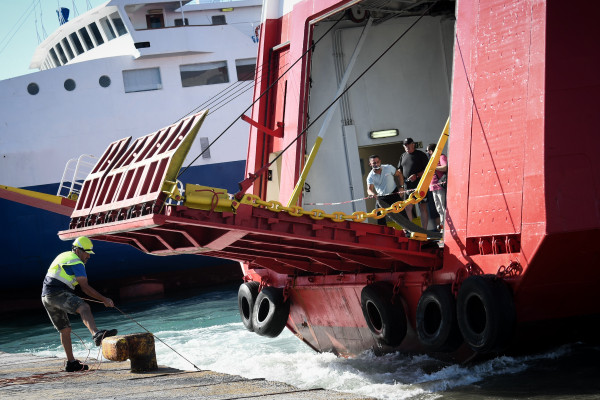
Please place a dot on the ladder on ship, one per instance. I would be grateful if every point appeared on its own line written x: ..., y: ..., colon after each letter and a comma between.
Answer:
x: 75, y: 173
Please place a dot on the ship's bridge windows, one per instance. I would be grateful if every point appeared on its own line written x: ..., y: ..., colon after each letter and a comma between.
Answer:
x: 108, y: 29
x: 245, y: 69
x: 219, y: 20
x: 118, y: 23
x: 155, y: 19
x: 181, y: 22
x: 77, y: 43
x: 61, y: 53
x: 87, y: 40
x: 140, y: 80
x: 96, y: 32
x: 67, y: 47
x: 54, y: 57
x: 204, y: 74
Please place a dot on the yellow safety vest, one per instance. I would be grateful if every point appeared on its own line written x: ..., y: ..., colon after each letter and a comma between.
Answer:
x: 57, y: 271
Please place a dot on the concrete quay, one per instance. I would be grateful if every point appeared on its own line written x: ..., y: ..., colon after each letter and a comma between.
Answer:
x: 25, y: 376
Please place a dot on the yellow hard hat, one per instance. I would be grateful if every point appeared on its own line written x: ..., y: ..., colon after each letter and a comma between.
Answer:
x: 84, y: 244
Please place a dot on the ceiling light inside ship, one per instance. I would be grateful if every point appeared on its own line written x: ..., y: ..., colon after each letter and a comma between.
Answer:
x: 383, y: 134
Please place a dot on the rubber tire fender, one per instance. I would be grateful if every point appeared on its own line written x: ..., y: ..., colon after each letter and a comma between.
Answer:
x: 486, y: 313
x: 437, y: 325
x: 247, y: 294
x: 386, y: 320
x: 270, y: 313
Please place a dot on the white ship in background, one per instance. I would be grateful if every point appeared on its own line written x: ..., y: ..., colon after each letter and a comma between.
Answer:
x: 125, y: 68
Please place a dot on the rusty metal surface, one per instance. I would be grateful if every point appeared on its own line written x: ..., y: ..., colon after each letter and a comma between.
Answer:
x: 136, y: 347
x: 25, y: 376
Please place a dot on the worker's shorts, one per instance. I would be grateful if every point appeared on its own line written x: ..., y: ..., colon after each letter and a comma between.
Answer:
x: 58, y: 305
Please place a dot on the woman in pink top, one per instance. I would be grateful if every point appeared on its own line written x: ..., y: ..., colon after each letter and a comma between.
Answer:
x: 438, y: 189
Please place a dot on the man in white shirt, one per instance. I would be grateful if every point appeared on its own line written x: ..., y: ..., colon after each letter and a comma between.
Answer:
x: 381, y: 183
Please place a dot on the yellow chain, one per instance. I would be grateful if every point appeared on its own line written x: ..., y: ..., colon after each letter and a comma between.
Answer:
x: 336, y: 216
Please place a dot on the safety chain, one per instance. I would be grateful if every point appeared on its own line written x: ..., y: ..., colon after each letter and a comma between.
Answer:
x: 513, y: 269
x: 337, y: 216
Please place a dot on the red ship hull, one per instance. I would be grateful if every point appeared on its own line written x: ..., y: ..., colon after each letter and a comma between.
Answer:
x: 518, y: 264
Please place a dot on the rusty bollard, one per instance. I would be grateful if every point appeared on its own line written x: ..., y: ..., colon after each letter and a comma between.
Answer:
x: 137, y: 347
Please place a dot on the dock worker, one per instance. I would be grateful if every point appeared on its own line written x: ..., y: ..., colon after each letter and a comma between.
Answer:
x: 412, y: 165
x: 58, y: 296
x: 381, y: 183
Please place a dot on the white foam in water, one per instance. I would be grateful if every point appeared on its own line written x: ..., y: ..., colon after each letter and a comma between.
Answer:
x: 203, y: 331
x: 287, y: 359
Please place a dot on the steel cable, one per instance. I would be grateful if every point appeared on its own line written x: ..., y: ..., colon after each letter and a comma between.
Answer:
x: 261, y: 95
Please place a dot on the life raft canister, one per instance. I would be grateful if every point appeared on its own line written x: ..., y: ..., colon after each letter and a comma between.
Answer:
x: 270, y: 312
x: 385, y: 319
x: 247, y: 294
x: 437, y: 325
x: 486, y: 313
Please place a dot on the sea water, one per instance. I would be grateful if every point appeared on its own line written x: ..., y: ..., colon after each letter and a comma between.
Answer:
x: 205, y: 331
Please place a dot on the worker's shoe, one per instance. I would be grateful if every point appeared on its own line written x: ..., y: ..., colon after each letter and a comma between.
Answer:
x: 103, y: 334
x: 75, y: 365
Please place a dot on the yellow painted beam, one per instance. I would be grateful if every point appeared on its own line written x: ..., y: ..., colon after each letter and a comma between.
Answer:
x: 305, y: 170
x: 49, y: 202
x: 421, y: 190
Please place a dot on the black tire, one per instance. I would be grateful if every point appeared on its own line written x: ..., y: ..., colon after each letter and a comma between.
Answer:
x: 247, y: 294
x: 270, y: 313
x: 386, y: 320
x: 437, y: 326
x: 486, y: 313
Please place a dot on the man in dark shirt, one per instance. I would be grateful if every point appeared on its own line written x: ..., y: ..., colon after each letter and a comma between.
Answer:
x: 412, y: 164
x: 59, y: 298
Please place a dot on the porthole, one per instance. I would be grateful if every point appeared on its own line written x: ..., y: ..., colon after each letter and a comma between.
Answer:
x: 104, y: 81
x: 33, y: 89
x: 70, y: 85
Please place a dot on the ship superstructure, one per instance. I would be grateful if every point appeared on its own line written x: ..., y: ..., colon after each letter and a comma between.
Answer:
x: 123, y: 68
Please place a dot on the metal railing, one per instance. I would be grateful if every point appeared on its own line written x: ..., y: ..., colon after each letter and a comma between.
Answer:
x: 76, y: 170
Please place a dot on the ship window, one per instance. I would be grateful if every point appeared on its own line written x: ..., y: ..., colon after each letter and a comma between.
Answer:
x: 77, y: 43
x: 33, y: 89
x: 140, y: 80
x: 108, y: 29
x: 86, y: 38
x: 54, y: 57
x: 70, y: 85
x: 96, y: 33
x: 155, y: 21
x: 61, y: 53
x: 180, y: 22
x: 245, y: 69
x: 218, y: 20
x: 104, y: 81
x: 204, y: 74
x: 67, y: 48
x: 204, y: 146
x: 118, y: 22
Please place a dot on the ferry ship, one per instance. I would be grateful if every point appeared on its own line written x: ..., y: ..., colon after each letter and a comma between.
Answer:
x: 505, y: 88
x: 126, y: 67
